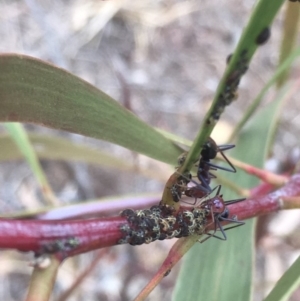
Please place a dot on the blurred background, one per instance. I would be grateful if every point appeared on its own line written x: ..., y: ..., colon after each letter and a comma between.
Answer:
x: 162, y: 60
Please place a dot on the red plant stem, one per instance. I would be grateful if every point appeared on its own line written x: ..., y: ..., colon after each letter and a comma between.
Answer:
x: 261, y: 189
x: 42, y: 236
x: 74, y: 237
x: 266, y: 204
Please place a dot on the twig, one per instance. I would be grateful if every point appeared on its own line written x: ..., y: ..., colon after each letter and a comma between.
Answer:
x: 42, y: 280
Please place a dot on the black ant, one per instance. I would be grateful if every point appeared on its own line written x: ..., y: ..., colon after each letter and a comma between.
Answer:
x: 209, y: 152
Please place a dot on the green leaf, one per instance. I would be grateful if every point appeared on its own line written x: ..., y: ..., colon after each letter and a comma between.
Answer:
x: 19, y: 135
x: 287, y: 284
x: 55, y: 148
x: 36, y: 92
x: 222, y: 271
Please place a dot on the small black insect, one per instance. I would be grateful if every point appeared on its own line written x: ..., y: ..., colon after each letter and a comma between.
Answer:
x: 208, y: 153
x: 228, y: 58
x: 264, y: 36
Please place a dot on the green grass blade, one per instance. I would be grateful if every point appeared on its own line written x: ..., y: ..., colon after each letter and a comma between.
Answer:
x: 218, y: 270
x: 19, y: 135
x: 36, y: 92
x: 287, y: 284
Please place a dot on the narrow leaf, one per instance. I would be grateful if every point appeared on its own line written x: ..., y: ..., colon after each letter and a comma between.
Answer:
x: 19, y: 135
x: 56, y: 148
x: 36, y: 92
x: 287, y: 284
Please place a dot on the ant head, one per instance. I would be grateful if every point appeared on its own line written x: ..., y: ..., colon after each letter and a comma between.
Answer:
x: 209, y: 150
x: 217, y: 204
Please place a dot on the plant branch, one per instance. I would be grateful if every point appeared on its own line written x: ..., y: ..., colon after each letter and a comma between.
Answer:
x: 264, y: 175
x: 42, y: 281
x: 69, y: 238
x: 175, y: 254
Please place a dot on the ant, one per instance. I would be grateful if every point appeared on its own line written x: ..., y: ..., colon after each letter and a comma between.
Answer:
x: 220, y: 213
x: 216, y: 206
x: 209, y: 152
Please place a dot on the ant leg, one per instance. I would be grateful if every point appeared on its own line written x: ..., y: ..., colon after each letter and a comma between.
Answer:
x: 211, y: 165
x: 214, y: 221
x: 225, y: 147
x: 226, y: 159
x: 235, y: 201
x: 206, y: 238
x: 217, y: 225
x: 230, y: 164
x: 222, y: 230
x: 238, y: 223
x: 208, y: 235
x: 219, y: 189
x: 235, y: 226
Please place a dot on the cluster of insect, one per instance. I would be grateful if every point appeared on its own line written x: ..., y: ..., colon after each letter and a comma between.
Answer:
x: 208, y: 212
x: 229, y: 92
x: 201, y: 192
x: 161, y: 222
x: 59, y: 245
x: 164, y: 222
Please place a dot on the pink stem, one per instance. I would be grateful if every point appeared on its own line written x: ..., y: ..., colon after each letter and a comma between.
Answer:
x: 73, y: 237
x: 67, y: 237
